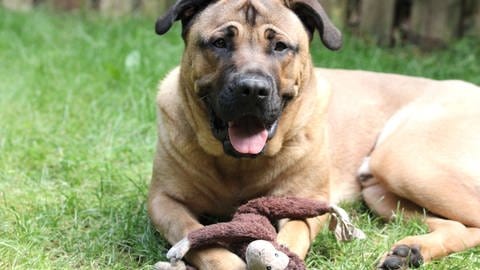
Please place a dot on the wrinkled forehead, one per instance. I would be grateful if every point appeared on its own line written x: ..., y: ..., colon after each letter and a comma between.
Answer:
x: 250, y: 13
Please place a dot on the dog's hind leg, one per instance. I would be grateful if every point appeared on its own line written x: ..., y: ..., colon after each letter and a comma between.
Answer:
x: 429, y: 159
x: 445, y: 236
x: 447, y: 195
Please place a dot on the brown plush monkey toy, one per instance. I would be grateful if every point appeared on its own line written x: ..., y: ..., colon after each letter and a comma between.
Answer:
x: 251, y: 235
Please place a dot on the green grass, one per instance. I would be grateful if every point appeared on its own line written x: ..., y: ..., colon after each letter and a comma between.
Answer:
x: 77, y: 137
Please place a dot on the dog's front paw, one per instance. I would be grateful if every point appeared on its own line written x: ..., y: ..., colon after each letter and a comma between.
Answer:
x: 402, y: 257
x: 179, y: 250
x: 180, y: 265
x: 215, y: 258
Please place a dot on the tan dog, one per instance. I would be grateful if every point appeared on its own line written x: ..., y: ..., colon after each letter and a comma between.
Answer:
x: 247, y: 115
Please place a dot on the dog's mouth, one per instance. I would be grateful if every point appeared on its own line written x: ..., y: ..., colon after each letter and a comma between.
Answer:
x: 246, y: 136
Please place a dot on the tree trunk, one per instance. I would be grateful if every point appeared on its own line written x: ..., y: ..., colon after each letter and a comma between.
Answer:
x: 22, y: 5
x: 476, y: 25
x: 376, y: 19
x: 435, y: 23
x: 156, y: 7
x: 116, y: 7
x: 69, y: 4
x: 336, y: 10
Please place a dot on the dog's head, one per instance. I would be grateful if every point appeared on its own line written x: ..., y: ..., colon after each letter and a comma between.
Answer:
x: 246, y: 60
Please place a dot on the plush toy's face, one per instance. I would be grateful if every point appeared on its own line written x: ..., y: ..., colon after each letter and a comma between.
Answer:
x: 262, y: 255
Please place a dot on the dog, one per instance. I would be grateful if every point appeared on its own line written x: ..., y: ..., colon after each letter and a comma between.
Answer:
x: 246, y: 115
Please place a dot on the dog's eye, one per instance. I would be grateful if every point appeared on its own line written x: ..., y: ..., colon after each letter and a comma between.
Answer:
x: 280, y: 46
x: 220, y: 43
x: 268, y: 267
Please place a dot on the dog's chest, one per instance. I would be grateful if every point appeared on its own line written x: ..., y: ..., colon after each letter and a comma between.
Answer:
x: 242, y: 179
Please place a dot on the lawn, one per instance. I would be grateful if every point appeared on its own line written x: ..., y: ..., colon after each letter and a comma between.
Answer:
x: 77, y: 138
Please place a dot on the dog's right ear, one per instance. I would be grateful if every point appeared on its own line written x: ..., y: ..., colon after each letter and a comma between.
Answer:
x: 184, y: 10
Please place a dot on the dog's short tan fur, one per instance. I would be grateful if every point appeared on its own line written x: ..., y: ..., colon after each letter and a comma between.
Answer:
x: 427, y: 156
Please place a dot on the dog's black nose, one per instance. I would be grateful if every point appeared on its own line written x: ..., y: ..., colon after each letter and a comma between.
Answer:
x: 253, y: 88
x: 248, y: 94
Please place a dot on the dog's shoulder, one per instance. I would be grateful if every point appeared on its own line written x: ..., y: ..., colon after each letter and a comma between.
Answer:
x: 171, y: 117
x: 168, y: 97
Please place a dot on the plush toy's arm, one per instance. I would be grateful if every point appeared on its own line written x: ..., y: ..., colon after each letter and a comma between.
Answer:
x: 285, y: 207
x: 230, y: 232
x: 233, y: 232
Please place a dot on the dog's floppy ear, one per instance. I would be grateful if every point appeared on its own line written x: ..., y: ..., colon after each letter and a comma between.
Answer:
x: 313, y: 16
x: 184, y: 10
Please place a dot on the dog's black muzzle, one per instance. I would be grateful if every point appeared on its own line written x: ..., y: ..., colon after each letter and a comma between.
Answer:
x: 245, y: 96
x: 249, y: 94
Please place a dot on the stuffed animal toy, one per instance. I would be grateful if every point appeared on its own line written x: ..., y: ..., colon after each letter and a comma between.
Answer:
x: 251, y: 235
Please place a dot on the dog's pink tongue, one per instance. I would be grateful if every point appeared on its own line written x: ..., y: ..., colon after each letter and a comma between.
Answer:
x: 247, y: 135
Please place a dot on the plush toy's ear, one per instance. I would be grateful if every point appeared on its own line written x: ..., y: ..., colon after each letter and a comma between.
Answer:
x: 313, y: 16
x: 184, y: 10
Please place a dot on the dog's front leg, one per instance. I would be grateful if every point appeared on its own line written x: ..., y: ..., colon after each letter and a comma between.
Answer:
x: 174, y: 221
x: 298, y: 235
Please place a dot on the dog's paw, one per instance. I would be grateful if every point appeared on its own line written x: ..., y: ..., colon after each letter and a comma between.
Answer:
x: 216, y: 258
x: 402, y: 257
x: 180, y: 265
x: 179, y: 250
